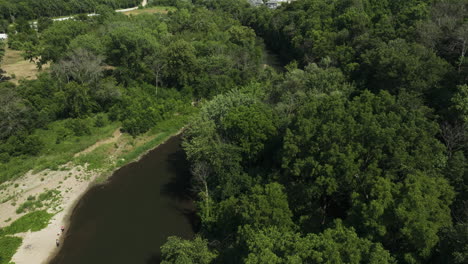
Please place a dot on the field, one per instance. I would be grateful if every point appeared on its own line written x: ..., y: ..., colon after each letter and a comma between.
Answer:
x: 14, y: 64
x: 151, y: 10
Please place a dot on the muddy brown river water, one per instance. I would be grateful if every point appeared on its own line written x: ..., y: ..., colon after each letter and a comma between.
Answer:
x: 128, y: 219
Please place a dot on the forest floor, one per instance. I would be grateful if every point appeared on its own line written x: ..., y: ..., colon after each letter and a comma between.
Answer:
x: 69, y: 182
x: 14, y: 64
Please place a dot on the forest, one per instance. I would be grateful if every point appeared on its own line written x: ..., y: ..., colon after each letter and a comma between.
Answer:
x: 353, y: 151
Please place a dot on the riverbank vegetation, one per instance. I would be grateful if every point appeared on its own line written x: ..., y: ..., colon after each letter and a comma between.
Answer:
x: 114, y: 70
x: 30, y: 222
x: 143, y: 74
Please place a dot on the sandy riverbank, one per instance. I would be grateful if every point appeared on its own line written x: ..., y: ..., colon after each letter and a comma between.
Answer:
x: 72, y: 182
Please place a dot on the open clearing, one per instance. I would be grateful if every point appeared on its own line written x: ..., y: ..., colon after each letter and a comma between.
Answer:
x: 151, y: 10
x: 14, y: 65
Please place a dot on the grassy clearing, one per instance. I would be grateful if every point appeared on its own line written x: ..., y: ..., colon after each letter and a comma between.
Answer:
x: 156, y: 136
x: 34, y: 221
x: 58, y: 149
x: 46, y: 199
x: 113, y: 155
x: 8, y: 247
x: 151, y: 10
x: 15, y: 66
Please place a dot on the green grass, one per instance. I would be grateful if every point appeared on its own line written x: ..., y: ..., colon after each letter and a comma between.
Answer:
x: 53, y: 155
x: 161, y: 133
x: 44, y: 199
x: 34, y: 221
x: 8, y: 247
x: 96, y: 159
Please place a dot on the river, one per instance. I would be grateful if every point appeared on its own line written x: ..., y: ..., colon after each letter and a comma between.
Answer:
x: 127, y: 219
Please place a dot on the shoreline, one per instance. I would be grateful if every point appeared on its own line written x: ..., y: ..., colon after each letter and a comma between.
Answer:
x: 40, y: 247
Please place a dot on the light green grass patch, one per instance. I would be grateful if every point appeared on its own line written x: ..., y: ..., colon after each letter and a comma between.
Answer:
x: 54, y: 154
x: 160, y: 133
x: 46, y: 199
x: 34, y: 221
x: 8, y: 247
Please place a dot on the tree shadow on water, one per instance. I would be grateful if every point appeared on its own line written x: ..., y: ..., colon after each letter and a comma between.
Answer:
x: 179, y: 186
x: 155, y: 259
x: 195, y: 223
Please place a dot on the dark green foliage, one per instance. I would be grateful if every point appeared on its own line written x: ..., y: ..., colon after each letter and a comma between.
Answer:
x: 79, y: 127
x: 249, y: 127
x: 338, y: 159
x: 398, y: 65
x: 334, y: 245
x: 195, y: 251
x: 43, y: 23
x: 142, y: 107
x: 454, y: 244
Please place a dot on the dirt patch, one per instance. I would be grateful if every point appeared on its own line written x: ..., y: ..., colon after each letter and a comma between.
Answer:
x: 150, y: 10
x: 14, y: 65
x: 115, y: 137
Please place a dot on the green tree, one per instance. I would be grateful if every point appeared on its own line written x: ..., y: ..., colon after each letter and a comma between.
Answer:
x: 334, y: 245
x: 181, y: 251
x: 181, y: 63
x: 249, y: 127
x: 266, y: 207
x: 421, y: 211
x: 43, y: 23
x: 78, y: 100
x: 454, y: 244
x: 55, y: 39
x: 460, y: 102
x: 362, y: 149
x: 399, y: 65
x: 15, y: 113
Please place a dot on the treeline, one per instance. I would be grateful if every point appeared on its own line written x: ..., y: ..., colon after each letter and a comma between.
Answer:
x: 137, y: 70
x: 356, y: 153
x: 10, y: 10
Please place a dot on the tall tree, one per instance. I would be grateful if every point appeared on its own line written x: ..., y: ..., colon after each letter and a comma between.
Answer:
x: 181, y: 251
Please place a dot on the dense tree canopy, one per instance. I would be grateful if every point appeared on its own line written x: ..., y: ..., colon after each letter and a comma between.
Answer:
x: 352, y: 150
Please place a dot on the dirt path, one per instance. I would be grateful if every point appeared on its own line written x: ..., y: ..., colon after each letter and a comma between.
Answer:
x: 115, y: 136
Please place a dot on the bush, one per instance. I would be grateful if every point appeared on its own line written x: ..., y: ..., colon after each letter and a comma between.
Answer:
x: 80, y: 127
x: 101, y: 120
